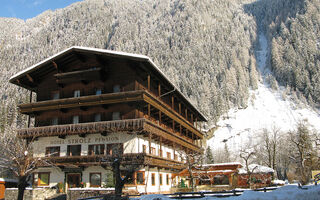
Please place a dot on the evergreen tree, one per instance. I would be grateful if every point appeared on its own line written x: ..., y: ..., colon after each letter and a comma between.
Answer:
x: 209, y: 156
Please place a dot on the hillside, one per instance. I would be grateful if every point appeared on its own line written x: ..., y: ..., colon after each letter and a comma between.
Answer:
x: 207, y: 48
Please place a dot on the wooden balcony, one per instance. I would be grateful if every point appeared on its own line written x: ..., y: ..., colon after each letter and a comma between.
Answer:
x: 140, y: 126
x: 110, y: 98
x: 74, y: 102
x: 139, y: 159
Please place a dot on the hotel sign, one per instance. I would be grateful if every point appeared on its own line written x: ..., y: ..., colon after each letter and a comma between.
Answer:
x: 86, y: 140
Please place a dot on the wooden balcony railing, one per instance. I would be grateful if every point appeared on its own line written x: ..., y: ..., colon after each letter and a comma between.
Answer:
x: 74, y: 102
x: 141, y: 125
x: 106, y: 160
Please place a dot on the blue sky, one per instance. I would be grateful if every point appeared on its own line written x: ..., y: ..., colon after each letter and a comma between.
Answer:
x: 25, y: 9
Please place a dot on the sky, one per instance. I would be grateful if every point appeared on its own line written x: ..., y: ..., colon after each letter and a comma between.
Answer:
x: 25, y: 9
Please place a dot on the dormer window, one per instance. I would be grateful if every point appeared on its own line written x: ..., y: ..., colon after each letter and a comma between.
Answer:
x: 98, y: 91
x: 76, y: 93
x: 116, y: 88
x: 75, y: 119
x: 55, y: 95
x: 97, y: 117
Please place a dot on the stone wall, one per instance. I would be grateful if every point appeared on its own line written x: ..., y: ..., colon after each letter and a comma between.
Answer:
x: 31, y: 193
x: 76, y: 193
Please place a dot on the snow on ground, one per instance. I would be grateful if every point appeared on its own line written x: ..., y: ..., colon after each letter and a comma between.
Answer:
x: 287, y: 192
x: 266, y: 109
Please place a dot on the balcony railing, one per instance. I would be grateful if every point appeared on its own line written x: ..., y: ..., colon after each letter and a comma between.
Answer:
x: 106, y: 160
x: 141, y: 125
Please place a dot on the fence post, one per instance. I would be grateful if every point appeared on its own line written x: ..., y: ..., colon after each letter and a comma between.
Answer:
x: 265, y: 189
x: 202, y: 194
x: 234, y: 192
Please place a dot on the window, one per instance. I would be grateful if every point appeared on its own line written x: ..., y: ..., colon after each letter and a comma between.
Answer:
x: 76, y: 93
x: 175, y: 157
x: 153, y: 179
x: 52, y: 151
x: 116, y: 116
x: 75, y: 119
x: 114, y: 148
x: 168, y: 155
x: 95, y: 179
x: 167, y: 179
x: 98, y: 91
x: 74, y: 150
x: 96, y: 149
x: 55, y: 121
x: 153, y: 151
x: 160, y: 179
x: 221, y: 179
x: 55, y: 95
x: 43, y: 178
x: 97, y: 117
x: 116, y: 88
x: 130, y: 179
x: 140, y: 178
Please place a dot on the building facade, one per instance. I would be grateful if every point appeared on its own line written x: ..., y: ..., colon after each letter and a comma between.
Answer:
x: 89, y: 101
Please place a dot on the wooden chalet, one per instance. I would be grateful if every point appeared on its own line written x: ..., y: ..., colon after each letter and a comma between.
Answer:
x: 90, y: 99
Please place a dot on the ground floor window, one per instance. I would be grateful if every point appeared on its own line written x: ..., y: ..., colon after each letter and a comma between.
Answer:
x: 140, y: 178
x: 153, y: 179
x: 95, y: 179
x: 167, y: 179
x: 160, y: 179
x: 41, y: 179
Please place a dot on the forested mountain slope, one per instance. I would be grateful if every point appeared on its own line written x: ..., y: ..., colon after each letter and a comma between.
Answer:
x: 207, y: 48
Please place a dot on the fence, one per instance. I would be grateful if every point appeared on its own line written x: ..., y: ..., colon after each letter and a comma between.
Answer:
x: 194, y: 195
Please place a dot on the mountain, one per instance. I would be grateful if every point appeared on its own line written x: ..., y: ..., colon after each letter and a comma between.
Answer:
x: 207, y: 48
x: 268, y: 110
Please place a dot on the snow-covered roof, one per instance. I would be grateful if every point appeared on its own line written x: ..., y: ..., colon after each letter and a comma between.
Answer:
x: 221, y: 164
x: 255, y: 168
x: 8, y: 180
x: 215, y: 171
x: 105, y: 52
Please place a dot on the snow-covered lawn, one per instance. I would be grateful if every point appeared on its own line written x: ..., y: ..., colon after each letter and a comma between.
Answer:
x: 288, y: 192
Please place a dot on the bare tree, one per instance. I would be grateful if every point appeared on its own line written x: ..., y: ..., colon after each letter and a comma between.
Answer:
x: 17, y: 158
x: 193, y: 159
x: 123, y: 166
x: 248, y: 155
x: 270, y: 140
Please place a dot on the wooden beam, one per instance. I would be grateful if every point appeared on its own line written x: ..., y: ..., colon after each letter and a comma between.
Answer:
x: 149, y: 143
x: 30, y: 78
x: 159, y: 90
x: 160, y: 117
x: 186, y: 112
x: 172, y: 102
x: 149, y: 109
x: 149, y: 82
x: 180, y: 108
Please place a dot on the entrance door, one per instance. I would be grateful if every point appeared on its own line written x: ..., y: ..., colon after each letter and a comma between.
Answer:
x: 73, y: 180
